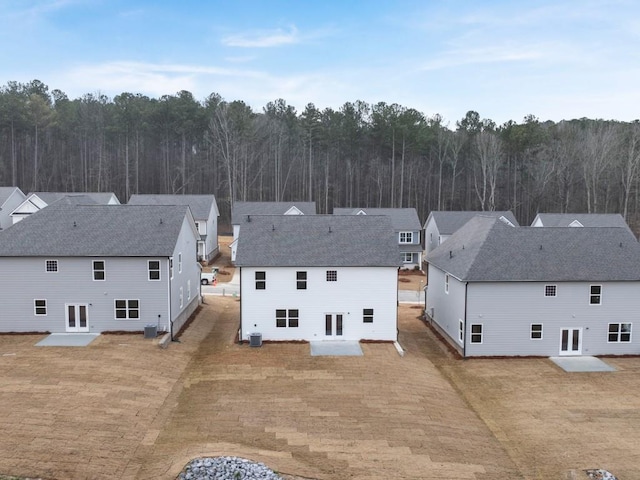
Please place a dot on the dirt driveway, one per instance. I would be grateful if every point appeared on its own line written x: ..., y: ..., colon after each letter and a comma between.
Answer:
x: 123, y: 408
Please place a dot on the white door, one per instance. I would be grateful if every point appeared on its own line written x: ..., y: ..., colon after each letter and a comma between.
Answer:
x: 333, y: 324
x: 77, y: 319
x: 571, y: 341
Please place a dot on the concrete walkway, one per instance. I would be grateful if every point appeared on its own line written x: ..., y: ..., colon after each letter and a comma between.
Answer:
x: 582, y: 364
x: 67, y: 340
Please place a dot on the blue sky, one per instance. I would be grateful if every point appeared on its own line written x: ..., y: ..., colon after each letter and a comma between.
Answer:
x: 557, y: 60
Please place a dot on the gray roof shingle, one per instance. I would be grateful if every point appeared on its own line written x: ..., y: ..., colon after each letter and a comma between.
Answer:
x: 200, y: 205
x: 240, y: 210
x: 95, y: 230
x: 449, y: 222
x: 586, y: 219
x: 486, y: 249
x: 52, y: 197
x: 402, y: 219
x: 317, y: 241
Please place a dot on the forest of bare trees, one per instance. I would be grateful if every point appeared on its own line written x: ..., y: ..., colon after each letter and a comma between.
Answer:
x: 382, y: 155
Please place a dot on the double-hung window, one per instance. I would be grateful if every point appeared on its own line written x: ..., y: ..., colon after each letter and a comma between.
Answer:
x: 446, y: 283
x: 595, y: 294
x: 98, y: 270
x: 127, y: 309
x: 301, y: 280
x: 619, y: 332
x: 40, y: 307
x: 154, y: 270
x: 286, y: 318
x: 367, y: 315
x: 261, y: 280
x: 536, y: 331
x: 476, y: 333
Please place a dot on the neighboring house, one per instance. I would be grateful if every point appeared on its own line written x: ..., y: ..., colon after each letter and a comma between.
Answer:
x: 97, y: 268
x: 405, y: 224
x: 318, y: 277
x: 579, y: 220
x: 496, y: 290
x: 36, y: 201
x: 10, y: 198
x: 242, y: 211
x: 205, y: 212
x: 441, y: 225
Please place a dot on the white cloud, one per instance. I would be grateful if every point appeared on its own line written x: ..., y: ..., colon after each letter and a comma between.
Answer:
x: 263, y: 39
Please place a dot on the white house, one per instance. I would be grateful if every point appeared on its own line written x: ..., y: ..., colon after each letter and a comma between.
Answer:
x: 205, y: 212
x: 497, y: 290
x: 440, y: 225
x: 96, y: 268
x: 318, y: 277
x: 10, y: 198
x: 242, y: 211
x: 406, y: 225
x: 36, y: 201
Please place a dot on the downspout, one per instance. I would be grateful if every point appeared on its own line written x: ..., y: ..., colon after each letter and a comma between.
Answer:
x: 464, y: 331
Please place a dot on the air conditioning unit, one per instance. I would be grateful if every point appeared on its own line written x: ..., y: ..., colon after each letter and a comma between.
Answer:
x: 255, y: 339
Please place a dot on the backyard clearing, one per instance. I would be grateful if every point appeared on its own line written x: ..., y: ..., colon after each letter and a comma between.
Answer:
x: 124, y: 408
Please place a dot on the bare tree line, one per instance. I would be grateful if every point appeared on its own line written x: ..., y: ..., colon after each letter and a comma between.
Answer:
x: 382, y: 155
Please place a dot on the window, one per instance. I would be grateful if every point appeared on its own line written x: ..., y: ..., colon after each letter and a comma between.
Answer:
x: 332, y: 275
x: 446, y: 283
x: 98, y: 270
x: 284, y: 318
x: 154, y: 270
x: 179, y: 263
x: 261, y: 280
x: 51, y: 265
x: 619, y: 332
x: 367, y: 315
x: 181, y: 297
x: 476, y: 333
x: 536, y: 331
x: 188, y: 290
x: 595, y: 295
x: 127, y: 309
x: 301, y: 280
x: 40, y: 307
x: 550, y: 290
x: 406, y: 237
x: 407, y: 257
x: 460, y: 330
x: 171, y: 267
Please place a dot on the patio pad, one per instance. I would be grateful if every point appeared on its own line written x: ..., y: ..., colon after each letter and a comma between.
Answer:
x: 68, y: 340
x: 341, y: 348
x: 582, y: 364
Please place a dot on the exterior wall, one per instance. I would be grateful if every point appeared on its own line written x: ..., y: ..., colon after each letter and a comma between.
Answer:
x: 416, y: 256
x: 24, y: 279
x: 446, y: 309
x: 30, y: 205
x: 185, y: 276
x: 356, y: 288
x: 507, y: 310
x: 431, y: 236
x: 211, y: 243
x: 14, y: 200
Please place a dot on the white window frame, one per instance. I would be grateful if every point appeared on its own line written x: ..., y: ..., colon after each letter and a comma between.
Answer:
x: 36, y: 307
x: 170, y: 268
x: 188, y: 290
x: 618, y: 333
x: 149, y: 270
x: 301, y: 280
x: 532, y: 331
x: 288, y: 317
x: 367, y: 315
x: 261, y: 283
x: 51, y: 263
x: 472, y: 334
x: 179, y: 262
x: 461, y: 330
x: 549, y: 289
x: 407, y: 257
x: 127, y: 309
x: 103, y: 271
x: 405, y: 237
x: 181, y: 297
x: 594, y: 295
x: 446, y: 283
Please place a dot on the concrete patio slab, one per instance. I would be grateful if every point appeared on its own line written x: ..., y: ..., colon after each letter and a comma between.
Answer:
x: 341, y: 348
x: 582, y: 364
x: 68, y: 340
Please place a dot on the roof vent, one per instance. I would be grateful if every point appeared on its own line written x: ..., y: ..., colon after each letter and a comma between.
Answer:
x: 273, y: 228
x: 75, y: 224
x: 329, y: 228
x: 248, y: 218
x: 160, y: 221
x: 450, y: 254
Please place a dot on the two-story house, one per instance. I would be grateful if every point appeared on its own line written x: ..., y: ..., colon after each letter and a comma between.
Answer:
x: 407, y: 228
x: 318, y: 277
x: 10, y: 198
x: 97, y: 268
x: 499, y: 290
x: 36, y: 201
x: 205, y: 212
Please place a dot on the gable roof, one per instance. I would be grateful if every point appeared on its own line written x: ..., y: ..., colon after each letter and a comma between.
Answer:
x: 486, y: 249
x: 317, y: 241
x: 450, y: 221
x: 240, y: 210
x: 96, y: 230
x: 50, y: 198
x: 584, y: 219
x: 6, y: 192
x: 401, y: 218
x: 200, y: 205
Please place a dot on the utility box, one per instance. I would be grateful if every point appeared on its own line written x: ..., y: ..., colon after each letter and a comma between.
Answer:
x: 150, y: 331
x: 255, y: 339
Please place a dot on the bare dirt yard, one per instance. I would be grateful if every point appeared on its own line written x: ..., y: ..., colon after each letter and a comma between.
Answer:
x: 123, y: 408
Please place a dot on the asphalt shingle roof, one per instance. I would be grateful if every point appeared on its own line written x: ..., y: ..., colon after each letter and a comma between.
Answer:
x: 52, y: 197
x: 240, y: 210
x: 402, y: 219
x: 317, y: 240
x: 95, y: 230
x: 449, y: 222
x: 200, y: 205
x: 487, y: 249
x: 586, y: 219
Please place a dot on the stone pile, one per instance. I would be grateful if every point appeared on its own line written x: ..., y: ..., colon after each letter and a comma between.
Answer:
x: 226, y: 468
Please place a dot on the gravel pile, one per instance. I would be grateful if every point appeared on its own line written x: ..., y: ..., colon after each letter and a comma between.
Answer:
x: 226, y: 468
x: 599, y: 474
